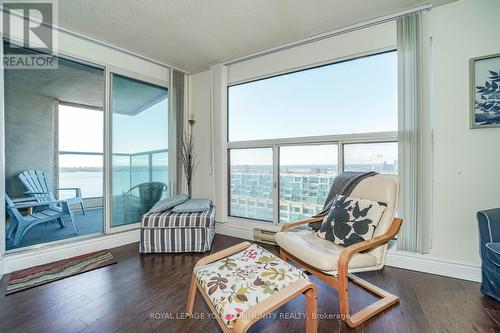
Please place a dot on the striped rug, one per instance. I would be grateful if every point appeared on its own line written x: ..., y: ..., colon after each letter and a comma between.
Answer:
x: 38, y: 275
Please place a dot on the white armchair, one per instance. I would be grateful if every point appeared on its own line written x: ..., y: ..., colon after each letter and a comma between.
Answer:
x: 335, y: 264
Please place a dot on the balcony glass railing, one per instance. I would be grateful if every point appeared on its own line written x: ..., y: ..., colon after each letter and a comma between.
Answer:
x: 128, y: 171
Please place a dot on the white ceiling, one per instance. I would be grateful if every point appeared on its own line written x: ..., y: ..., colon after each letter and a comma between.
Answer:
x: 192, y: 34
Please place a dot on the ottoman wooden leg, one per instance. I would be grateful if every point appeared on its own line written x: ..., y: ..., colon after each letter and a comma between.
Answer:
x: 192, y: 295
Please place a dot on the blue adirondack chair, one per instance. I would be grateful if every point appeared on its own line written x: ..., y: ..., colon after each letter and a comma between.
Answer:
x: 39, y: 186
x: 54, y: 211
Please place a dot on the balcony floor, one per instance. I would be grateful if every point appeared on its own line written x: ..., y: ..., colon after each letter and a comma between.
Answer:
x: 91, y: 223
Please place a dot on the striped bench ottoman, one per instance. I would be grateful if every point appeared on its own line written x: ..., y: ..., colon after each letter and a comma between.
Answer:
x: 168, y: 232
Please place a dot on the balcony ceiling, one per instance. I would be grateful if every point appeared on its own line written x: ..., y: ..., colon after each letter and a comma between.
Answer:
x: 81, y: 84
x: 194, y: 34
x: 71, y: 82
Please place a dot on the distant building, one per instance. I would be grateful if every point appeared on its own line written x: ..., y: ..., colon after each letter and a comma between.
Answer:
x: 301, y: 194
x: 303, y: 189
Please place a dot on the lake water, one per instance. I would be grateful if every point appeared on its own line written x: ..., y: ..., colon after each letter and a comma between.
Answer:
x: 91, y: 183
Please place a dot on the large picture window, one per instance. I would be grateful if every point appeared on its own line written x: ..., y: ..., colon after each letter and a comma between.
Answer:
x: 290, y: 135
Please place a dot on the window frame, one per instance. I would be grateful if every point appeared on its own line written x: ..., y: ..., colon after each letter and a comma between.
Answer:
x: 338, y: 139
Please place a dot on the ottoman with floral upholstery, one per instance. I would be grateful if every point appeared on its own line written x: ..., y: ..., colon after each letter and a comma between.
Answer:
x: 245, y: 282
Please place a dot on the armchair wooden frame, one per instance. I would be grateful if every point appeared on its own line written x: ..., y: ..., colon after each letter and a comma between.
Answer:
x: 266, y: 306
x: 340, y: 282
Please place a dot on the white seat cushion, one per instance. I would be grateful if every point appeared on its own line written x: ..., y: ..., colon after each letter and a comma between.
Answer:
x: 319, y: 253
x: 238, y: 282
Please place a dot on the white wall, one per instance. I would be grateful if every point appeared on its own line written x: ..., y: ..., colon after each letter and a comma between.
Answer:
x: 203, y: 179
x: 379, y: 37
x: 466, y: 164
x: 29, y: 120
x: 84, y: 49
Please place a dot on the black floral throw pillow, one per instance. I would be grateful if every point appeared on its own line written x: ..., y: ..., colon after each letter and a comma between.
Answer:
x: 351, y: 220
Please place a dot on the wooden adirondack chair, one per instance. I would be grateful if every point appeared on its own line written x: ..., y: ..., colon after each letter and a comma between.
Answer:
x: 22, y: 223
x: 39, y: 186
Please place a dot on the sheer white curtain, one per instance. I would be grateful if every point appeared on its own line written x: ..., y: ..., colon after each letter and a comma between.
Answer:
x: 414, y: 235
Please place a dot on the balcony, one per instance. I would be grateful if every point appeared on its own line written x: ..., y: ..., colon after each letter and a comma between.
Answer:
x: 129, y: 170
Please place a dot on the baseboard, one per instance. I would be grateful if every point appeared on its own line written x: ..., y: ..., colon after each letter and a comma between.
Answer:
x: 433, y: 265
x: 420, y: 263
x: 15, y: 261
x: 414, y: 262
x: 231, y: 230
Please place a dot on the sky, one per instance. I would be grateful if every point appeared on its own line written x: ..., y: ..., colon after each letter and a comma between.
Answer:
x: 145, y: 131
x: 82, y: 130
x: 357, y: 96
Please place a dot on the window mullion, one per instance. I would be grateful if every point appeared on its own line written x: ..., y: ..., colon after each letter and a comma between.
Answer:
x: 340, y: 158
x: 276, y: 185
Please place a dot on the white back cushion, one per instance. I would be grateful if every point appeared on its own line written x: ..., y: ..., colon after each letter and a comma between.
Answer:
x: 383, y: 188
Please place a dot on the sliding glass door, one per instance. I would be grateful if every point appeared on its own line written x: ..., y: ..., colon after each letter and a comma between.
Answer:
x: 76, y: 166
x: 139, y: 148
x: 54, y: 134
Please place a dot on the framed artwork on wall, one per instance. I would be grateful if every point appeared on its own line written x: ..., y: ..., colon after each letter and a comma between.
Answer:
x: 485, y: 91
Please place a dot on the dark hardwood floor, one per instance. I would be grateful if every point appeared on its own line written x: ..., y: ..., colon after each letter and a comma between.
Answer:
x: 148, y: 294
